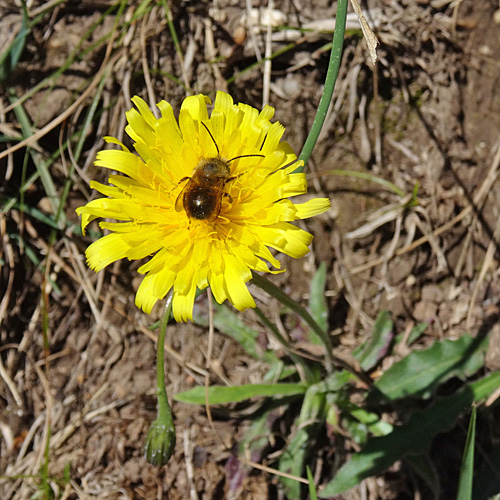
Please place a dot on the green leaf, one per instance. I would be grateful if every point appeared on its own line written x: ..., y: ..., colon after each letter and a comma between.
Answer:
x: 230, y: 324
x: 414, y: 335
x: 294, y: 306
x: 256, y: 437
x: 335, y: 381
x: 467, y: 467
x: 425, y: 468
x: 487, y: 482
x: 313, y: 495
x: 356, y: 429
x: 373, y: 422
x: 420, y: 373
x: 298, y: 451
x: 373, y: 351
x: 412, y: 438
x: 41, y: 165
x: 317, y: 403
x: 67, y: 473
x: 220, y: 395
x: 317, y: 303
x: 10, y: 57
x: 309, y: 373
x: 369, y: 177
x: 279, y: 371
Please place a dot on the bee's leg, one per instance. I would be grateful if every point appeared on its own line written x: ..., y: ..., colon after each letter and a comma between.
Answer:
x: 227, y: 195
x: 233, y: 178
x: 226, y: 198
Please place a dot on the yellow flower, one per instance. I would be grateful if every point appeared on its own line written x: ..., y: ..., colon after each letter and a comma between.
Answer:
x: 206, y: 198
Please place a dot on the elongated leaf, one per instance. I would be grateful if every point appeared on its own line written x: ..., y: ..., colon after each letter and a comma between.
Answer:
x: 278, y: 367
x: 256, y: 437
x: 412, y: 438
x: 287, y: 301
x: 10, y: 57
x: 425, y: 468
x: 313, y: 413
x: 298, y: 451
x: 229, y: 323
x: 317, y: 303
x: 420, y: 373
x: 34, y: 257
x: 313, y: 495
x: 220, y: 395
x: 487, y: 482
x: 376, y: 348
x: 41, y: 165
x: 252, y: 444
x: 467, y: 467
x: 415, y: 333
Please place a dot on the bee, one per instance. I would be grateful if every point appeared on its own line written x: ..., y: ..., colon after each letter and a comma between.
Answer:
x: 202, y: 195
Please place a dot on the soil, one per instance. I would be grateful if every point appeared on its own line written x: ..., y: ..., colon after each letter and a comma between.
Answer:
x: 78, y: 357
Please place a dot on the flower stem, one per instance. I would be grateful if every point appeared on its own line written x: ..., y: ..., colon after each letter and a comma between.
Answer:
x: 160, y: 441
x: 331, y: 78
x: 164, y: 411
x: 274, y: 291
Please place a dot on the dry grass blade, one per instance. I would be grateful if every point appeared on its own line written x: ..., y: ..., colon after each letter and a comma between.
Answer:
x: 266, y: 77
x: 487, y: 264
x: 105, y: 68
x: 10, y: 384
x: 371, y: 39
x: 476, y: 204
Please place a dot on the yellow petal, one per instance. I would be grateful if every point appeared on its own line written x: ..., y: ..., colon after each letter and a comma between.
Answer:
x: 287, y: 238
x: 236, y: 275
x: 312, y: 207
x: 196, y: 106
x: 105, y: 251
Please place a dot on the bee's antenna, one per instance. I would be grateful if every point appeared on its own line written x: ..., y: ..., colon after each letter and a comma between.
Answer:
x: 244, y: 156
x: 212, y: 137
x: 263, y: 142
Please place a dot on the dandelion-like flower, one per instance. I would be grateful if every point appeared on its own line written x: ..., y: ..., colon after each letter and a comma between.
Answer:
x: 206, y: 197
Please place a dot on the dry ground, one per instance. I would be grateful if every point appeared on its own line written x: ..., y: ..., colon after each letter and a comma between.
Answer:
x: 428, y: 114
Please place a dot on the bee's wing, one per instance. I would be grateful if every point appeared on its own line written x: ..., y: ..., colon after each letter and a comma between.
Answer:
x: 179, y: 203
x: 219, y: 189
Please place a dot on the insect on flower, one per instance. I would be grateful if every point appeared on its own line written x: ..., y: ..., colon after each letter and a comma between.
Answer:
x: 202, y: 196
x: 205, y: 199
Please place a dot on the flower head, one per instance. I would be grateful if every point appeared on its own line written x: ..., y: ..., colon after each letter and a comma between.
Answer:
x: 206, y: 197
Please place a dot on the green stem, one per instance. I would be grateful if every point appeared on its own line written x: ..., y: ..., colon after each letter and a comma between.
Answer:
x: 274, y: 291
x: 331, y: 78
x: 164, y: 411
x: 160, y: 441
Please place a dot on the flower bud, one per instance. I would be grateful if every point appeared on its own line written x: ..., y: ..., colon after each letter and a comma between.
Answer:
x: 160, y: 443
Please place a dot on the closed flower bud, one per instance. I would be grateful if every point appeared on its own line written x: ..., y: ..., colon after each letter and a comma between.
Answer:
x: 160, y: 443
